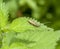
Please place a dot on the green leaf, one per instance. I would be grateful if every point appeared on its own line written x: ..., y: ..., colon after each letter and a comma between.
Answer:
x: 22, y: 24
x: 40, y: 39
x: 0, y: 38
x: 8, y: 36
x: 34, y: 37
x: 3, y: 15
x: 18, y: 46
x: 15, y: 46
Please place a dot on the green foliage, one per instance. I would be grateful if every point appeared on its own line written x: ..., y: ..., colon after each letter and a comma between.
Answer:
x: 30, y: 36
x: 22, y: 27
x: 18, y: 33
x: 12, y: 6
x: 3, y: 15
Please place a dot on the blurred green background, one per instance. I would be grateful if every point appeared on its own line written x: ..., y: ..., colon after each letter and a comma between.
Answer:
x: 45, y: 11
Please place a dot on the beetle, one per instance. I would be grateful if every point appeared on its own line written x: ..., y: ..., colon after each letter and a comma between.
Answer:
x: 34, y: 22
